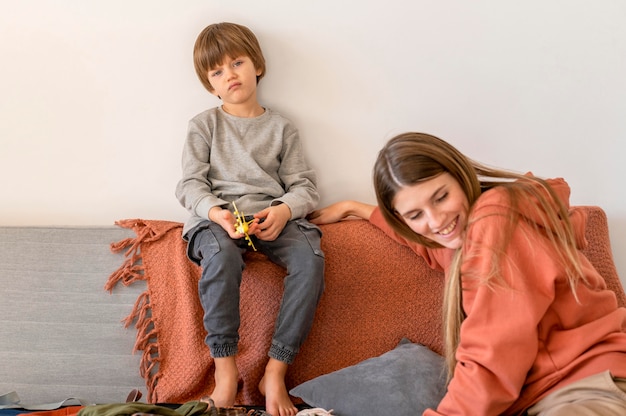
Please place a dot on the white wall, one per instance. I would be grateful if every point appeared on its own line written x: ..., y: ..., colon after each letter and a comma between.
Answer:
x: 95, y: 95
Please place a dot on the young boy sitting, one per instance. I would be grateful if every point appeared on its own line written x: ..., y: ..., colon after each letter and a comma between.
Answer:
x: 243, y: 156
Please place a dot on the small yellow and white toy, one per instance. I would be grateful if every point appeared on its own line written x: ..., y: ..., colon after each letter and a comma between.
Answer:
x: 241, y: 225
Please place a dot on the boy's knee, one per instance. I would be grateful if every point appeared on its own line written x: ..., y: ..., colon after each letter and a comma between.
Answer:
x: 308, y: 261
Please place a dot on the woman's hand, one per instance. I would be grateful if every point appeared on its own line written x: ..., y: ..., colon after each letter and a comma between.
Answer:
x: 340, y: 211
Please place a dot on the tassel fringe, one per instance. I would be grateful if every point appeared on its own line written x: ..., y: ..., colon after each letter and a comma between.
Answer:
x: 128, y: 273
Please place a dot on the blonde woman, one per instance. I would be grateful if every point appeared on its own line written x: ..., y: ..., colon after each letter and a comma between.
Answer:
x: 530, y: 327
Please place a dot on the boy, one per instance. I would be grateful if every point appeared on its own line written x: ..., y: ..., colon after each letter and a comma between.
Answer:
x: 246, y: 156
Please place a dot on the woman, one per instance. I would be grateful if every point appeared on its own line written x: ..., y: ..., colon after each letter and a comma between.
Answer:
x: 529, y: 325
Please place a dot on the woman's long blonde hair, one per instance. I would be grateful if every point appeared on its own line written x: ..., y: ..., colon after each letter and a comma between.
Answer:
x: 410, y: 158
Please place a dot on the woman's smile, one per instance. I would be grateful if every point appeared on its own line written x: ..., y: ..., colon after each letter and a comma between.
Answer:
x: 436, y: 208
x: 450, y: 227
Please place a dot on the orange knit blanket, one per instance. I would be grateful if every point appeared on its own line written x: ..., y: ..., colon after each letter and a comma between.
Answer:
x: 171, y: 336
x: 176, y: 363
x: 377, y: 292
x: 355, y: 320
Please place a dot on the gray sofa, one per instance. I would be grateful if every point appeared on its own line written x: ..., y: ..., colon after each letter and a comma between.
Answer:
x: 60, y: 332
x: 62, y: 335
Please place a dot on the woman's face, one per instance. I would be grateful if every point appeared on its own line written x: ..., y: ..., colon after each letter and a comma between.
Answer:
x: 436, y: 209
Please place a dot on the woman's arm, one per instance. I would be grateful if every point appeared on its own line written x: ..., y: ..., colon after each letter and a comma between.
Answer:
x: 340, y: 211
x: 435, y: 258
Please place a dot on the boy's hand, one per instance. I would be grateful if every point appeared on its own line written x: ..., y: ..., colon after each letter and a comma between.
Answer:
x: 226, y: 220
x: 274, y: 220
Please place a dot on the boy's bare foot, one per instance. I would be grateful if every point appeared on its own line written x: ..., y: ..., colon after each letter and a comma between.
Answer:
x: 226, y: 381
x: 272, y: 386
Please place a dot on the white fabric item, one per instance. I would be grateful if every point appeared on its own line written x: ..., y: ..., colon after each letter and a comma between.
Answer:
x: 317, y: 411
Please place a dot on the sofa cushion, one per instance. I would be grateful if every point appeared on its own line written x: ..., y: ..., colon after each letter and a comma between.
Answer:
x: 404, y: 381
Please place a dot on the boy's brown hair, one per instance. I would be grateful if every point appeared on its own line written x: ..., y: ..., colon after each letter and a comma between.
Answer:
x: 219, y: 40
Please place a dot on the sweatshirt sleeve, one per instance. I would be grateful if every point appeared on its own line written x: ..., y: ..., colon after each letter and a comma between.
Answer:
x: 194, y: 189
x: 298, y: 179
x: 499, y: 336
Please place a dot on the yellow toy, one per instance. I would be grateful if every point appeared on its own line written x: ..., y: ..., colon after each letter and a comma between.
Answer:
x: 241, y: 225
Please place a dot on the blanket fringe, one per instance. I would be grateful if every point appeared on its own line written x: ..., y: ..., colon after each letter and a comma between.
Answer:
x: 140, y: 311
x: 131, y: 269
x: 129, y: 272
x: 146, y: 342
x: 149, y: 369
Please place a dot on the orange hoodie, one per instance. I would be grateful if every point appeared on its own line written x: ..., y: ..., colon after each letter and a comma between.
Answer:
x: 530, y: 337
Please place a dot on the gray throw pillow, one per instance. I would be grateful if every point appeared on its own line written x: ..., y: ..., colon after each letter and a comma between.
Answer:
x: 404, y: 381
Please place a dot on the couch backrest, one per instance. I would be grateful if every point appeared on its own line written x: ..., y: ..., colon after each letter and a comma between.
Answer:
x: 599, y: 250
x: 378, y: 292
x: 61, y: 334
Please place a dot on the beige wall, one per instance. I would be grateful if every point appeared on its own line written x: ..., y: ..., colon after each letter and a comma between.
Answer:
x: 95, y: 95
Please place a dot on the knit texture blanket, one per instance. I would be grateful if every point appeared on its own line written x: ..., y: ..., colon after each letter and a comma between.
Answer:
x: 176, y: 363
x: 168, y: 315
x: 377, y: 292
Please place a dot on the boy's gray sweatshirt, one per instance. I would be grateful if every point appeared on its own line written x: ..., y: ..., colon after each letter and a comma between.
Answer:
x: 255, y: 162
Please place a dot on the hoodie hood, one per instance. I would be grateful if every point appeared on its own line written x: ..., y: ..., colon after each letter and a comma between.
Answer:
x: 530, y: 208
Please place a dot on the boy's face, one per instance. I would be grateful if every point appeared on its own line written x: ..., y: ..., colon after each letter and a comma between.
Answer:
x: 235, y: 80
